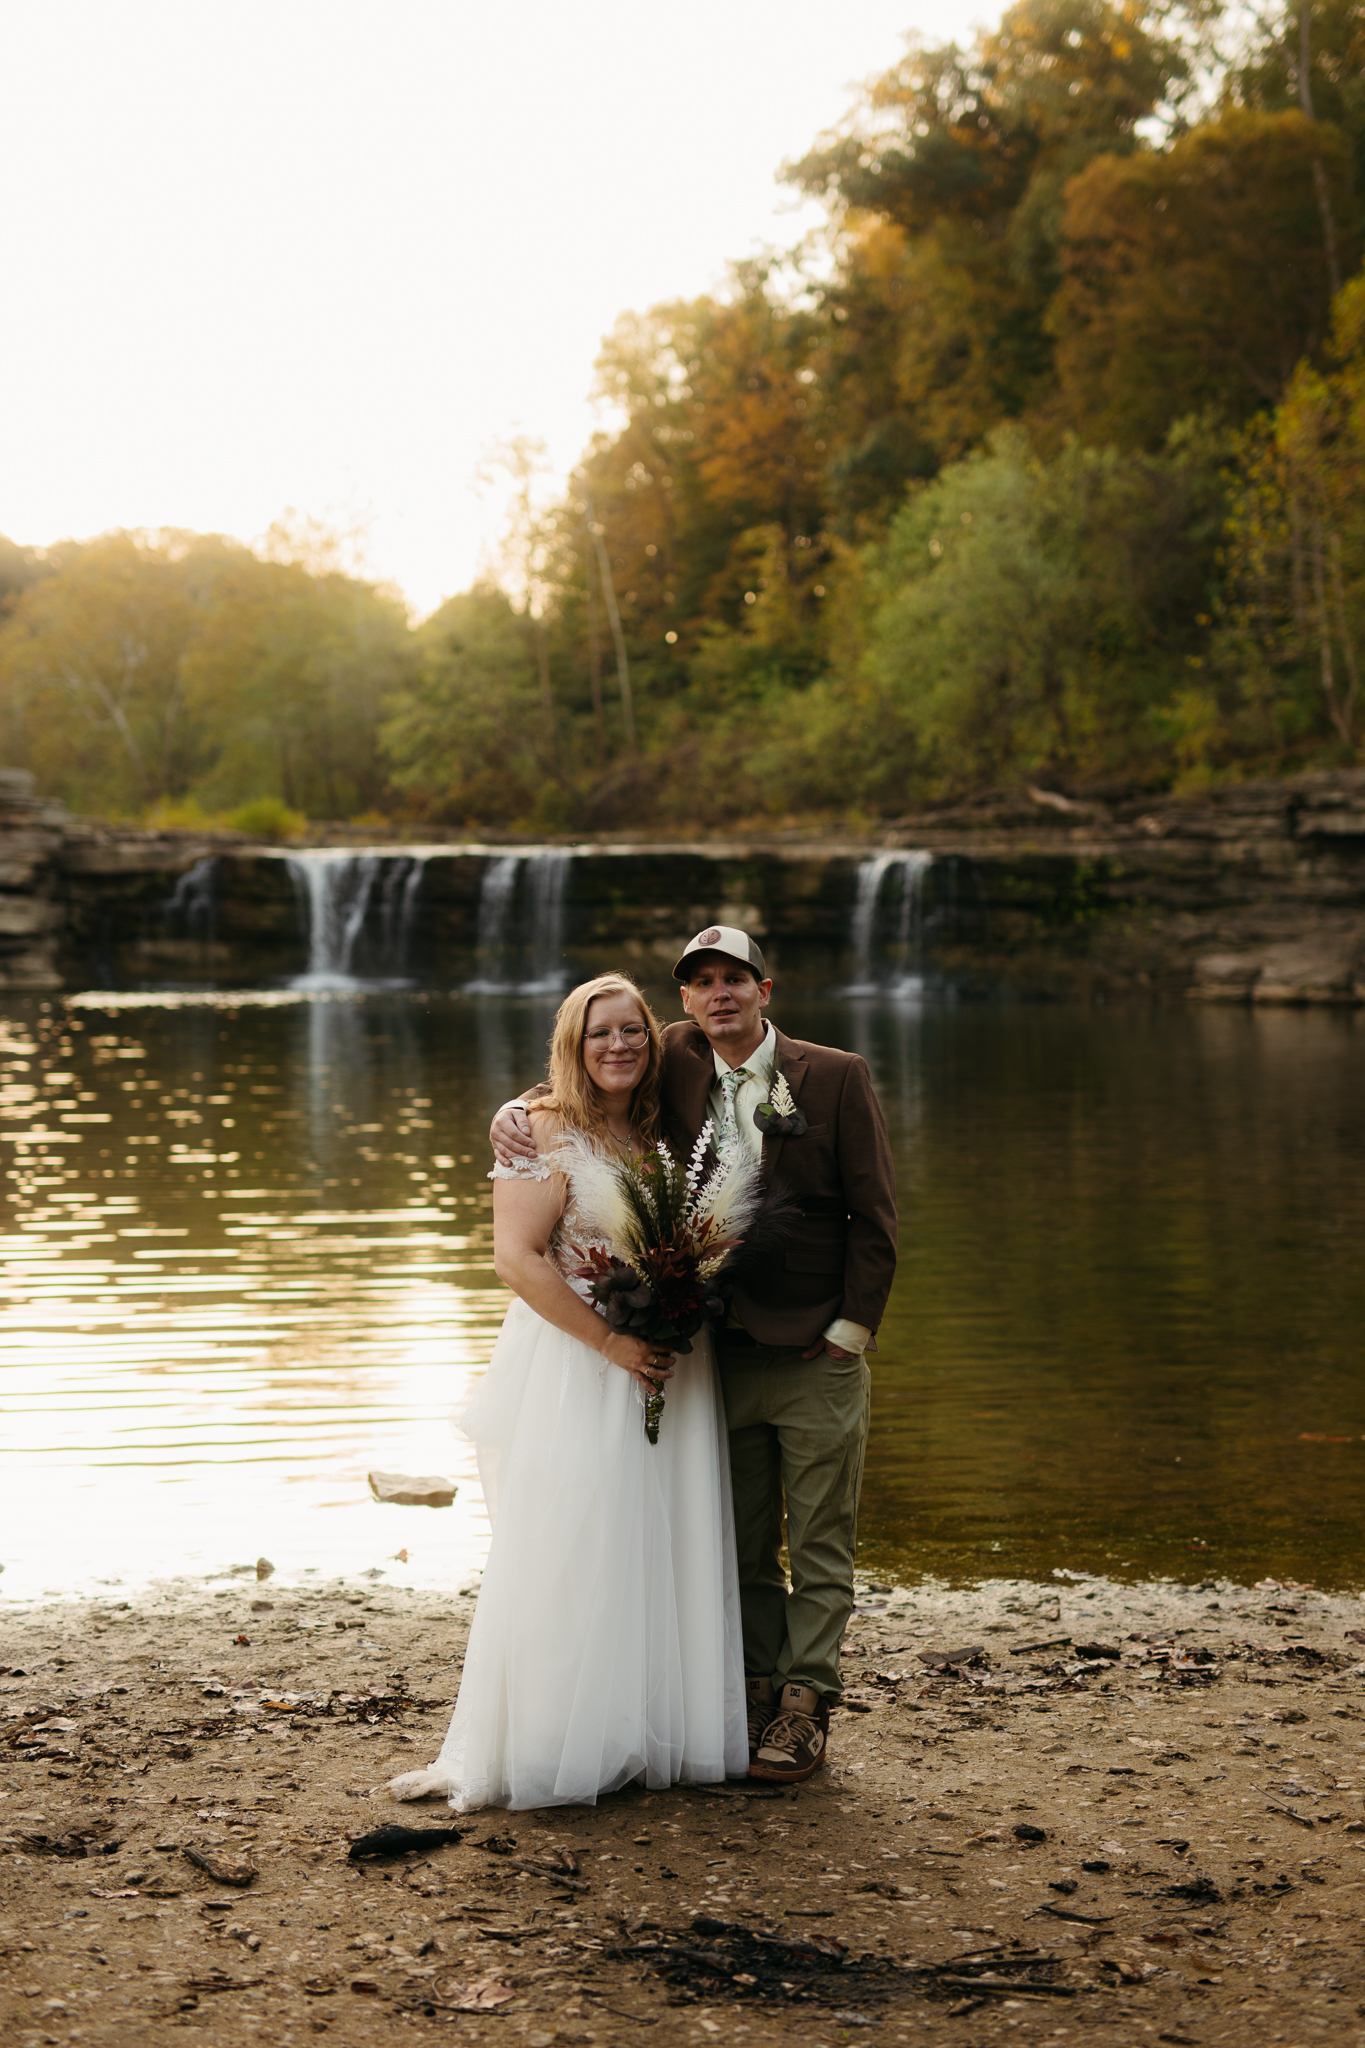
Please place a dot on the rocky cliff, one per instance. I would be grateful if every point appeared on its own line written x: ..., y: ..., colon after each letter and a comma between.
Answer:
x: 1250, y: 893
x: 1253, y: 892
x: 33, y: 842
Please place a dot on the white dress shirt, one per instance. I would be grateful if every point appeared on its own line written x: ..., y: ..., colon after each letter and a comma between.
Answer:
x: 756, y: 1077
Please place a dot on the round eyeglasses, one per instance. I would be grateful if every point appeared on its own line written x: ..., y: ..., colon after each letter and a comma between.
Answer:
x: 631, y: 1035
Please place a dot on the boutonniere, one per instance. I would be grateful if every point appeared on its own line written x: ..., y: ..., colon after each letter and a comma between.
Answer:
x: 779, y: 1116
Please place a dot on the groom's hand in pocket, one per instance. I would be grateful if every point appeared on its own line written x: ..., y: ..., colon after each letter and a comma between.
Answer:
x: 510, y: 1134
x: 830, y: 1351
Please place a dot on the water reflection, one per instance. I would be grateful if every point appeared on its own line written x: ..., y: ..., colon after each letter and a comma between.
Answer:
x: 1126, y: 1334
x: 248, y: 1249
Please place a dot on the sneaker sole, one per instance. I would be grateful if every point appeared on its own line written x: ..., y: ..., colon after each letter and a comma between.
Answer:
x: 777, y: 1774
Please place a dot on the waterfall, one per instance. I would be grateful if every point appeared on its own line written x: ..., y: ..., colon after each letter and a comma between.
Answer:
x: 496, y: 891
x: 900, y: 949
x: 399, y: 890
x: 870, y: 873
x: 549, y: 872
x: 357, y: 909
x: 189, y: 912
x: 521, y: 923
x: 334, y: 894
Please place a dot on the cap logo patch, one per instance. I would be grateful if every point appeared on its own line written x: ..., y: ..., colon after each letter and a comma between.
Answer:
x: 710, y: 937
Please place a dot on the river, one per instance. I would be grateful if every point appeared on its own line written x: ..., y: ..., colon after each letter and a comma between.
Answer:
x: 248, y: 1241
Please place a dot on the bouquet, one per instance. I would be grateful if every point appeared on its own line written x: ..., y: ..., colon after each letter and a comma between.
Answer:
x: 677, y: 1226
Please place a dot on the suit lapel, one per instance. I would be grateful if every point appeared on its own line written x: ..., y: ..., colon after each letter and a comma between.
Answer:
x: 694, y: 1085
x: 795, y: 1067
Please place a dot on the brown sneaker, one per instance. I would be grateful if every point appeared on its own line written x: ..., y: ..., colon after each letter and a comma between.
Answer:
x: 793, y: 1745
x: 762, y: 1703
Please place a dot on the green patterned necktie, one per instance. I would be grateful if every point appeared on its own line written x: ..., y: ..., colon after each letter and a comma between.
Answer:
x: 729, y: 1085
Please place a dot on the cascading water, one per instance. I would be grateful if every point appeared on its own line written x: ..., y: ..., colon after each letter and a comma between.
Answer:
x: 357, y: 908
x: 496, y: 893
x: 399, y: 887
x: 521, y: 923
x: 549, y: 873
x: 889, y: 962
x: 189, y: 912
x: 869, y: 882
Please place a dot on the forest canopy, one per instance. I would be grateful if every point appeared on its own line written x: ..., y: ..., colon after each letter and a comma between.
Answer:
x: 1045, y: 459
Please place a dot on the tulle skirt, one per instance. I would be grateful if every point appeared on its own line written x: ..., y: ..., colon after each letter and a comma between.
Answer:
x: 606, y: 1643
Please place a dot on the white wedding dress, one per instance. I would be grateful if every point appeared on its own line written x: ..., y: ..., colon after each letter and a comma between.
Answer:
x: 606, y: 1642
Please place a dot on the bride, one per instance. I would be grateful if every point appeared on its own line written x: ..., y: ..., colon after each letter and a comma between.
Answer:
x: 605, y: 1646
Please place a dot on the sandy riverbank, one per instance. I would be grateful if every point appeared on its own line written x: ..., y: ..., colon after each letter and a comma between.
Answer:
x: 1211, y: 1773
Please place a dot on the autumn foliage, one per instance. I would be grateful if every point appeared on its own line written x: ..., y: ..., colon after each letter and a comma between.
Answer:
x: 1045, y: 460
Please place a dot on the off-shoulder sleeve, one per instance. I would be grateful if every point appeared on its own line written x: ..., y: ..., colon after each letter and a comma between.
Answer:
x: 525, y: 1169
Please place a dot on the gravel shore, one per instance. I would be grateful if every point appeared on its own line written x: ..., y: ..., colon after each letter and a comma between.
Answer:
x: 1133, y: 1812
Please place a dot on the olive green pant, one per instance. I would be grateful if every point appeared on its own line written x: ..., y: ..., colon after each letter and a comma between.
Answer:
x: 798, y: 1431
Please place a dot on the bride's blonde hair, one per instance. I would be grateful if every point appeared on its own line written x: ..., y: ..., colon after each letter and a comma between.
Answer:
x: 573, y: 1096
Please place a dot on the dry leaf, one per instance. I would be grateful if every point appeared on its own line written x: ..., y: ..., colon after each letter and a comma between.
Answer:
x: 484, y: 1995
x: 222, y: 1869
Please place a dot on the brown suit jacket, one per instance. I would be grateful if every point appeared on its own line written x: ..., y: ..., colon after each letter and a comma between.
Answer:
x: 840, y: 1258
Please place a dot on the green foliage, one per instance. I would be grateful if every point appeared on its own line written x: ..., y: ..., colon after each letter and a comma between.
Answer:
x: 140, y: 668
x: 18, y: 568
x: 1287, y: 658
x: 267, y: 817
x: 1032, y: 614
x: 464, y: 732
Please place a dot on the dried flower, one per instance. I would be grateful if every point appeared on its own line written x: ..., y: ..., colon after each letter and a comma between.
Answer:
x: 675, y: 1230
x: 779, y: 1115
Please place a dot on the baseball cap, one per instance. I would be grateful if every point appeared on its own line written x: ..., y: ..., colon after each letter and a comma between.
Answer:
x: 728, y: 940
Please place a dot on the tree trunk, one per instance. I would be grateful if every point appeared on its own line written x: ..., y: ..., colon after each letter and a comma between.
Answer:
x: 614, y: 616
x: 599, y: 724
x: 547, y: 702
x: 118, y: 718
x: 1348, y: 648
x: 1329, y: 225
x: 1336, y: 711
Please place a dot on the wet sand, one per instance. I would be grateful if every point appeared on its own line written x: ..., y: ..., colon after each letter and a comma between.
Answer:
x: 930, y: 1884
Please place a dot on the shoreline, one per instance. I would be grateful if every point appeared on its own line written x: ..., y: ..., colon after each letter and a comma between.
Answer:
x: 1214, y: 1767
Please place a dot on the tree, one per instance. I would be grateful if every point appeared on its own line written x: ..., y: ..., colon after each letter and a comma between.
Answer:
x: 721, y: 437
x: 18, y: 568
x: 1196, y: 277
x: 1036, y: 615
x: 964, y: 157
x: 1272, y: 77
x: 1291, y: 650
x: 526, y: 550
x: 461, y: 732
x: 146, y: 668
x: 91, y: 667
x: 292, y: 670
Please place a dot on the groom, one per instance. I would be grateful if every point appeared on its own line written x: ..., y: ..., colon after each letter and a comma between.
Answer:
x: 795, y: 1382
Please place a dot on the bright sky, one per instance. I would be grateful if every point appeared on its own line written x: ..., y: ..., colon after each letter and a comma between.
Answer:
x: 320, y: 253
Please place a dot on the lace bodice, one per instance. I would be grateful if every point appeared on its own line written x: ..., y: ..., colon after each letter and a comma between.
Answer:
x: 574, y: 1228
x: 523, y: 1169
